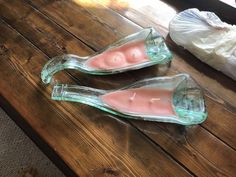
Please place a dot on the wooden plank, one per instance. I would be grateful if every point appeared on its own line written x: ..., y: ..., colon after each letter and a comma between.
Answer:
x: 183, y: 61
x: 88, y: 140
x: 86, y: 28
x: 199, y: 151
x: 204, y: 168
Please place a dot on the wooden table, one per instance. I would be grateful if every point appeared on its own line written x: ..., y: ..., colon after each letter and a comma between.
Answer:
x: 83, y: 140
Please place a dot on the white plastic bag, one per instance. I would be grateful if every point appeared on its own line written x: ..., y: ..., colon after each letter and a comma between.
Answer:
x: 207, y: 37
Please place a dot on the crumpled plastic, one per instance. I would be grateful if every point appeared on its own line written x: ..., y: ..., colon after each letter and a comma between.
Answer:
x: 207, y: 37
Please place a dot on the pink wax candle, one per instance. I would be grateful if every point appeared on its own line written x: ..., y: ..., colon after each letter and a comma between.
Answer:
x: 123, y: 56
x: 143, y: 101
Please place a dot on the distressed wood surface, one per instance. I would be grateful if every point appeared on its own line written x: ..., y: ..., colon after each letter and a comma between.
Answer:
x: 90, y: 141
x: 93, y: 143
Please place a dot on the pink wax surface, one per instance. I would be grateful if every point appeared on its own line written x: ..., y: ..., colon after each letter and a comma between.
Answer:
x: 143, y: 101
x: 128, y: 54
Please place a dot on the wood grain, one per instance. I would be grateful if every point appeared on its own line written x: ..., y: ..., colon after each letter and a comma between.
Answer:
x: 213, y: 82
x: 184, y: 62
x: 89, y: 141
x: 57, y: 27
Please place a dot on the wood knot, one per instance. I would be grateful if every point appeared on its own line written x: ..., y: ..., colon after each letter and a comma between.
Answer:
x: 105, y: 170
x: 3, y: 50
x: 111, y: 171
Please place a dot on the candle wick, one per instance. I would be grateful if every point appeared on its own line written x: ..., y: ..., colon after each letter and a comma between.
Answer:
x: 132, y: 97
x: 155, y: 99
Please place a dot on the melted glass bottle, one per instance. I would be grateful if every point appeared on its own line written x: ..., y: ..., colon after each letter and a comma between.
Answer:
x: 135, y: 51
x: 177, y: 99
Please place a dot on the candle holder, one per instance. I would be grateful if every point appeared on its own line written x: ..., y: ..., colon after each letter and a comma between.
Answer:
x: 177, y: 99
x: 135, y: 51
